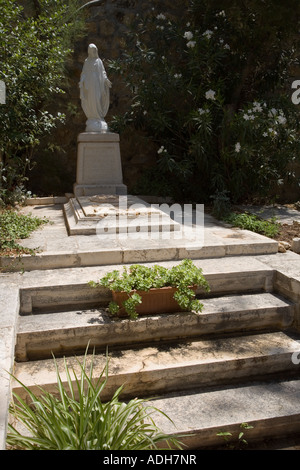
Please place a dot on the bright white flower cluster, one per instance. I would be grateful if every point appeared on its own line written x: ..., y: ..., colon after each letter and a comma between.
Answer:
x: 189, y: 36
x: 161, y: 150
x: 278, y: 115
x: 208, y: 34
x: 203, y: 111
x: 237, y: 147
x: 210, y: 95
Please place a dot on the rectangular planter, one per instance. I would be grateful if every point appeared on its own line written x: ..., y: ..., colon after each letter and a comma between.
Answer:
x: 153, y: 301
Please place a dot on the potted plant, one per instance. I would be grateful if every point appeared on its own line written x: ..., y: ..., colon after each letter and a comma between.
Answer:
x: 142, y: 289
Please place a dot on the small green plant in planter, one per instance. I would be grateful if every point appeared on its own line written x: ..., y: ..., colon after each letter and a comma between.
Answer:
x: 136, y: 280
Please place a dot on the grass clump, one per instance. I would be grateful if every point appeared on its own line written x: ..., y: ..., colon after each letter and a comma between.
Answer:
x: 77, y: 418
x: 15, y: 226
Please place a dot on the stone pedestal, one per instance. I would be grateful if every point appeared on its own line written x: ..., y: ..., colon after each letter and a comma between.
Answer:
x: 99, y: 169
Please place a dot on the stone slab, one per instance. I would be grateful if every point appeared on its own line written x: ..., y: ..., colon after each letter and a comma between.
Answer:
x: 46, y: 289
x: 104, y: 214
x: 272, y: 408
x: 170, y: 367
x: 69, y: 332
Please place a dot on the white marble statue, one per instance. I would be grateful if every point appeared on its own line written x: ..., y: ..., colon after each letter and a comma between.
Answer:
x: 94, y: 91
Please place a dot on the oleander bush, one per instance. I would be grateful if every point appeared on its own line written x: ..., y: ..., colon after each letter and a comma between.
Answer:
x: 211, y: 88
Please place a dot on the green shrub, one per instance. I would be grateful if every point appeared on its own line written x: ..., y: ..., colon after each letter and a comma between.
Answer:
x: 35, y: 42
x: 209, y: 87
x: 269, y: 228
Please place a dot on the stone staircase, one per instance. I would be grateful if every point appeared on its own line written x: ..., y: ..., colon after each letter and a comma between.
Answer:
x: 209, y: 372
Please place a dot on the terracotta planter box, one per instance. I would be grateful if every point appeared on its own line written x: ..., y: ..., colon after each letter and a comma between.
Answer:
x: 153, y: 301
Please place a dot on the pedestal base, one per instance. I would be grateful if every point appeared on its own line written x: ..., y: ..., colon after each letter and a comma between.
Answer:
x: 110, y: 214
x: 99, y: 169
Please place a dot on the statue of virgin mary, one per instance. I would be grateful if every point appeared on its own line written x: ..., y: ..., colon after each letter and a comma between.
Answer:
x: 94, y: 91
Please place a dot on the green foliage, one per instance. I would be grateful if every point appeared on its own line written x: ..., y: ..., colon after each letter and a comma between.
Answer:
x: 15, y: 226
x: 143, y: 278
x: 241, y: 442
x: 211, y: 89
x: 269, y: 228
x: 77, y: 419
x: 34, y: 47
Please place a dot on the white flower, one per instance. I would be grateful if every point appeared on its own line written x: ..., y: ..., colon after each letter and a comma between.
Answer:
x: 210, y: 95
x: 246, y: 117
x: 227, y: 46
x: 161, y: 149
x: 237, y: 147
x: 203, y: 111
x: 281, y: 119
x: 221, y: 13
x: 280, y: 181
x: 272, y: 112
x: 191, y: 44
x: 257, y: 107
x: 208, y: 33
x: 265, y: 134
x: 177, y: 75
x: 161, y: 17
x: 188, y: 35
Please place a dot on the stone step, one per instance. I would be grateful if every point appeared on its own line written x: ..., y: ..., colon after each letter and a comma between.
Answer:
x: 54, y: 290
x: 59, y: 333
x: 169, y: 366
x: 57, y: 250
x: 272, y: 408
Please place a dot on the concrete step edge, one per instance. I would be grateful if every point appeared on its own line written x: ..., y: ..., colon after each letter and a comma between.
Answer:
x: 169, y: 367
x: 70, y: 287
x: 41, y: 335
x: 272, y: 408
